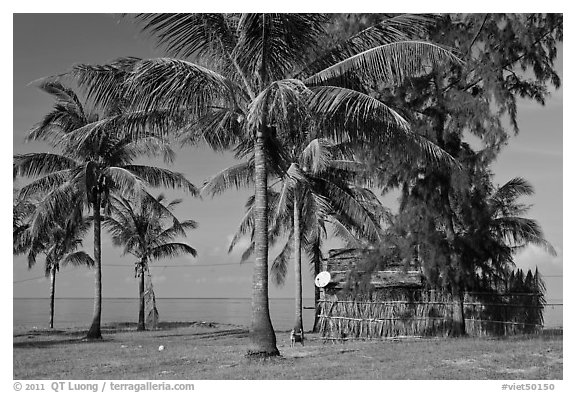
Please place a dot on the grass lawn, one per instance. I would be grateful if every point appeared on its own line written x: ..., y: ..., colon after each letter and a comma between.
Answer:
x: 212, y: 351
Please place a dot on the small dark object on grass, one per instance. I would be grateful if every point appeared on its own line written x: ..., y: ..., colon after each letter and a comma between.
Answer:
x: 296, y: 336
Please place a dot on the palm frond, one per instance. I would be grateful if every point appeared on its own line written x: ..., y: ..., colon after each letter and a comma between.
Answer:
x: 317, y: 155
x: 172, y: 85
x: 237, y: 176
x: 78, y: 258
x: 513, y: 189
x: 397, y: 28
x: 271, y: 45
x: 51, y: 206
x: 45, y: 184
x: 346, y: 108
x: 126, y: 181
x: 519, y: 232
x: 344, y: 233
x: 171, y: 250
x: 247, y: 253
x: 207, y: 36
x: 285, y: 104
x: 159, y: 177
x: 346, y: 203
x: 40, y: 164
x: 246, y: 227
x: 62, y: 93
x: 313, y: 248
x: 67, y: 114
x: 279, y: 268
x: 284, y: 200
x: 351, y: 115
x: 219, y: 128
x: 389, y: 63
x: 178, y: 230
x: 103, y: 84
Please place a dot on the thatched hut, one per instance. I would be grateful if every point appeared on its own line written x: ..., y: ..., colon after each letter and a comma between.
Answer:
x: 344, y: 266
x: 397, y: 302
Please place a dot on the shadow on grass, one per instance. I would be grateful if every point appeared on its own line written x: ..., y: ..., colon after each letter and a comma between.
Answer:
x: 237, y: 333
x: 79, y: 339
x: 41, y: 338
x: 119, y: 327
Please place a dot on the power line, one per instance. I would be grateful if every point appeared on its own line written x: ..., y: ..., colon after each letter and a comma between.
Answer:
x: 164, y: 266
x: 39, y: 277
x: 205, y: 265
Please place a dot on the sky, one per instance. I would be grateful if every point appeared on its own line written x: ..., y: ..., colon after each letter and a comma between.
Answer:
x: 48, y: 44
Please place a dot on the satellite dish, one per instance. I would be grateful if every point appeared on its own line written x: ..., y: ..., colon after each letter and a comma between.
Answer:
x: 322, y: 279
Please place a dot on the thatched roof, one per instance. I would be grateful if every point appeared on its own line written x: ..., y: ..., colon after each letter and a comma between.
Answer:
x: 341, y: 262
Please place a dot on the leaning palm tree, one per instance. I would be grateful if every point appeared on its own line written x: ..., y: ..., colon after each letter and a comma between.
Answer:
x: 248, y: 73
x: 148, y: 233
x: 59, y: 244
x: 95, y: 160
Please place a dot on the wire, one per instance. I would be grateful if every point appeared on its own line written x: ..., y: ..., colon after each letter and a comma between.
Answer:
x: 36, y: 278
x: 151, y: 265
x: 206, y: 265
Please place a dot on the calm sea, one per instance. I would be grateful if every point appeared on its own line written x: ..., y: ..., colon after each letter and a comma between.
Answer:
x: 78, y: 312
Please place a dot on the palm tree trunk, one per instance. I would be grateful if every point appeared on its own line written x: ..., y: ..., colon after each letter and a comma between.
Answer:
x: 298, y: 326
x: 52, y: 292
x: 316, y: 326
x: 262, y: 336
x: 94, y: 332
x: 141, y: 322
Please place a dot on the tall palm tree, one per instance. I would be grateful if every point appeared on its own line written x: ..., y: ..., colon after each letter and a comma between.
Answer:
x: 312, y: 187
x: 59, y: 244
x: 250, y: 73
x: 144, y: 233
x: 96, y: 159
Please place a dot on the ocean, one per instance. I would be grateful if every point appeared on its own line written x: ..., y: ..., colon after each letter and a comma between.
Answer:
x: 77, y: 312
x: 70, y: 312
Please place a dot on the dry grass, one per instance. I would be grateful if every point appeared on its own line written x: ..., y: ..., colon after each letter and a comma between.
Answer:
x: 199, y: 351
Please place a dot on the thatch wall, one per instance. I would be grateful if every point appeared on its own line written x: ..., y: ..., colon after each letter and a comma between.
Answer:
x: 427, y: 313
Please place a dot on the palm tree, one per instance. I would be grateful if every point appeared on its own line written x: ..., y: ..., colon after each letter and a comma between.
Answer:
x: 251, y: 73
x: 59, y: 244
x: 143, y: 232
x: 507, y: 231
x: 95, y: 160
x: 496, y: 231
x: 313, y: 188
